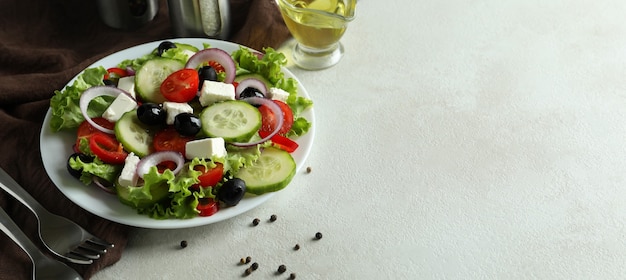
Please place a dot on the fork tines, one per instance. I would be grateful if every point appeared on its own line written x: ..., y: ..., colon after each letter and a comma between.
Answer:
x: 100, y: 242
x: 89, y: 250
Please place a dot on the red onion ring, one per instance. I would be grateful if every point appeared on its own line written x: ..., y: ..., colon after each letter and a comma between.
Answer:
x: 277, y: 112
x: 258, y: 55
x: 144, y: 165
x: 130, y: 71
x: 217, y: 55
x: 250, y: 82
x: 98, y: 182
x: 93, y: 92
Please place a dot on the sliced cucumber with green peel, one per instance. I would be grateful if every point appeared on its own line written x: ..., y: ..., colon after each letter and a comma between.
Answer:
x: 133, y: 134
x: 151, y: 74
x: 271, y: 172
x: 233, y: 120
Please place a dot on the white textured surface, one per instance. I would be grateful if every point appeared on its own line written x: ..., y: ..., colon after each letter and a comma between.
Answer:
x: 455, y: 140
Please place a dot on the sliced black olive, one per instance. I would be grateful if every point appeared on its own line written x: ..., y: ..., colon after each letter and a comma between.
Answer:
x: 206, y: 73
x: 84, y: 158
x: 164, y: 46
x: 151, y: 114
x: 109, y: 83
x: 251, y: 92
x: 187, y: 124
x: 232, y: 191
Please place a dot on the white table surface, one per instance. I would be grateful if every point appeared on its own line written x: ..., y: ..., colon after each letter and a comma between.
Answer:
x: 456, y: 140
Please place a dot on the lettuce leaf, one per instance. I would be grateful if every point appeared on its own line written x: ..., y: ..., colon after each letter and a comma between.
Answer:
x: 65, y: 103
x: 97, y: 168
x: 180, y: 202
x: 270, y: 66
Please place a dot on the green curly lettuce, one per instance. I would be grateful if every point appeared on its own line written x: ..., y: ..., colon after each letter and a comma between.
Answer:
x: 167, y: 195
x: 65, y: 103
x: 108, y: 172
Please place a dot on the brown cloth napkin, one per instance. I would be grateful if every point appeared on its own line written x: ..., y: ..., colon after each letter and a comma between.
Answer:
x: 43, y: 44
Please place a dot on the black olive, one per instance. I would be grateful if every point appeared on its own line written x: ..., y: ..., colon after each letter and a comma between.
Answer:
x: 84, y: 158
x: 165, y: 45
x: 151, y: 114
x: 206, y: 73
x: 251, y: 92
x: 187, y: 124
x: 232, y: 191
x: 109, y: 83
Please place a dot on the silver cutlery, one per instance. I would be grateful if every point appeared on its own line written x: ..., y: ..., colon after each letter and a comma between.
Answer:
x: 61, y: 236
x: 44, y: 267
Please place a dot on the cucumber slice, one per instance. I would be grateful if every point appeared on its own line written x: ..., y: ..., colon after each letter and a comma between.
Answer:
x: 271, y: 172
x: 149, y: 77
x: 233, y: 120
x: 259, y: 77
x: 133, y: 134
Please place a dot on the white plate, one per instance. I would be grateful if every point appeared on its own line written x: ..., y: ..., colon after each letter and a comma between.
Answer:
x: 56, y: 147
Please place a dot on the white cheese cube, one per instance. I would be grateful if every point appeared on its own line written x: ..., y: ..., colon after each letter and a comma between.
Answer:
x: 212, y: 92
x: 127, y: 84
x: 129, y: 176
x: 173, y: 108
x: 278, y: 94
x: 122, y: 104
x: 205, y: 148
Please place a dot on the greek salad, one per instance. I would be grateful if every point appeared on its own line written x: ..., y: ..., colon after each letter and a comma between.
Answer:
x: 181, y: 132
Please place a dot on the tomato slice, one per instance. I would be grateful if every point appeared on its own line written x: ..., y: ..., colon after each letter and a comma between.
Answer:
x: 268, y: 120
x: 115, y: 72
x: 209, y: 178
x: 207, y: 206
x: 85, y: 129
x: 181, y: 86
x: 170, y: 140
x: 281, y: 142
x: 107, y: 148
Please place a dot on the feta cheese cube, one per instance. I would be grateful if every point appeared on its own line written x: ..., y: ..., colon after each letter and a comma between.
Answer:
x: 129, y: 177
x: 278, y: 94
x: 205, y: 148
x: 173, y: 108
x: 212, y: 92
x: 127, y: 84
x: 122, y: 104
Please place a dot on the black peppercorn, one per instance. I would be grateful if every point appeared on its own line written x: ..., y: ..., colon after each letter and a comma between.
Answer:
x: 297, y: 247
x: 254, y: 266
x: 273, y: 218
x: 255, y: 222
x: 183, y: 244
x: 292, y: 276
x: 248, y: 259
x: 318, y: 235
x: 282, y: 268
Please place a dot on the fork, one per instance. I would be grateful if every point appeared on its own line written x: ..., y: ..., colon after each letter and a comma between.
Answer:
x: 61, y: 236
x: 44, y: 267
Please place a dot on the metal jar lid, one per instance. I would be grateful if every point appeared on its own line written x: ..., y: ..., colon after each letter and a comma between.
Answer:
x: 127, y: 14
x: 200, y: 18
